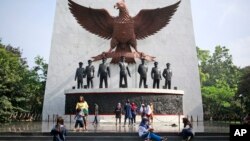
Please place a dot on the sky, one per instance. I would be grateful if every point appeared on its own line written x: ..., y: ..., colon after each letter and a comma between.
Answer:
x: 28, y: 24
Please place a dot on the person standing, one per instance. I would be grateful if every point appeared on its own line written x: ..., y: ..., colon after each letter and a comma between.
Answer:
x: 104, y: 73
x: 79, y: 119
x: 124, y: 70
x: 118, y: 113
x: 156, y: 75
x: 143, y: 70
x: 167, y: 74
x: 134, y: 112
x: 96, y: 114
x: 127, y: 113
x: 143, y: 110
x: 90, y: 71
x: 151, y: 117
x: 83, y: 105
x: 80, y: 74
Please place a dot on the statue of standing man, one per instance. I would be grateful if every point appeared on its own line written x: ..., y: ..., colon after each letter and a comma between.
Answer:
x: 90, y: 71
x: 104, y: 73
x: 156, y: 75
x: 167, y: 74
x: 143, y: 70
x: 124, y: 70
x: 80, y: 74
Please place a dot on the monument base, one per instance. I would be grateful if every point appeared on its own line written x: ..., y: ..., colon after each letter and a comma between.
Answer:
x: 166, y: 102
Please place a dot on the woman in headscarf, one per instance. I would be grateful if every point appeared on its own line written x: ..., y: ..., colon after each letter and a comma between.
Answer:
x: 118, y: 113
x: 146, y: 132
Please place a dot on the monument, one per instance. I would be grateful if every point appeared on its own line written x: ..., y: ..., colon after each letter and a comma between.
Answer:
x: 174, y: 44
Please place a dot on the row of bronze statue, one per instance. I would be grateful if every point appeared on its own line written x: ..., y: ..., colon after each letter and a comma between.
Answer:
x: 104, y: 73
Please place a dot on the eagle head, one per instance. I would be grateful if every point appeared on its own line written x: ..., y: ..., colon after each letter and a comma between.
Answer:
x: 120, y: 5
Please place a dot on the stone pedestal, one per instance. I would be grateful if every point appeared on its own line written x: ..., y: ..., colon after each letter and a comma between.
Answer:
x: 166, y: 102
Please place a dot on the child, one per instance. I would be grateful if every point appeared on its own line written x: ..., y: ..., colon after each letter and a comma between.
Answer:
x: 79, y: 118
x: 59, y: 131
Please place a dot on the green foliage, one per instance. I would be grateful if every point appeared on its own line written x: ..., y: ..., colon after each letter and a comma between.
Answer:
x: 244, y: 87
x: 21, y: 88
x: 219, y: 79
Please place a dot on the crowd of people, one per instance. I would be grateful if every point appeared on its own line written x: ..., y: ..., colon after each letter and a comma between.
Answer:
x: 129, y: 110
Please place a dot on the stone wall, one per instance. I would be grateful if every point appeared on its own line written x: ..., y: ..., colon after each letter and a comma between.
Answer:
x: 163, y: 103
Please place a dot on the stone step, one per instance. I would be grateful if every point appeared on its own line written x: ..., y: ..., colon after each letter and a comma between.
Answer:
x: 107, y: 137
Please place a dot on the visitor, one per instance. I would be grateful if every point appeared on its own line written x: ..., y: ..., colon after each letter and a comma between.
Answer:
x: 187, y: 131
x: 79, y: 119
x: 96, y: 110
x: 143, y: 110
x: 59, y: 131
x: 134, y: 112
x: 127, y: 113
x: 148, y: 112
x: 151, y: 117
x: 83, y: 105
x: 118, y: 113
x: 146, y: 132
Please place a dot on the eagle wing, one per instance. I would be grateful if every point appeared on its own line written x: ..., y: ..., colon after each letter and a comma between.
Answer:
x: 96, y: 21
x: 149, y: 21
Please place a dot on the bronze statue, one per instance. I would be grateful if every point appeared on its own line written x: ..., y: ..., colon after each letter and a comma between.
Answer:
x: 124, y: 70
x: 104, y: 73
x: 90, y: 72
x: 143, y: 70
x: 156, y: 75
x: 167, y: 74
x: 80, y: 74
x: 123, y: 30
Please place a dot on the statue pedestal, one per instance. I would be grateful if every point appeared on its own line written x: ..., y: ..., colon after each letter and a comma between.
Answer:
x: 166, y: 102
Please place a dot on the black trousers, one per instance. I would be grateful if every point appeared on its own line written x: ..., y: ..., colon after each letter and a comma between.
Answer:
x: 90, y: 81
x: 125, y: 80
x: 80, y: 123
x: 95, y: 120
x: 156, y: 82
x: 79, y: 84
x: 168, y: 84
x: 105, y: 79
x: 144, y: 79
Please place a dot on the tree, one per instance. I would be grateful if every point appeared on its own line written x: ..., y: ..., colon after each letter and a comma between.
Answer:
x: 219, y: 78
x: 21, y: 88
x: 244, y: 87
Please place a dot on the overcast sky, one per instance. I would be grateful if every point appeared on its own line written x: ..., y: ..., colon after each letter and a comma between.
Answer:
x: 28, y: 24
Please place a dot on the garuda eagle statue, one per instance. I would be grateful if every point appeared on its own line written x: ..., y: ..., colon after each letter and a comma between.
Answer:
x: 123, y: 30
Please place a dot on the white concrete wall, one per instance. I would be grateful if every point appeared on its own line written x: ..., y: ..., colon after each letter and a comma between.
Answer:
x: 174, y: 44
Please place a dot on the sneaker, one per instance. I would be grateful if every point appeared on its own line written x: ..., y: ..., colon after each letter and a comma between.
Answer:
x: 164, y: 139
x: 189, y: 138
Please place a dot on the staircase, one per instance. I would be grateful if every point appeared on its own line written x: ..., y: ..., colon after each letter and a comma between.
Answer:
x: 108, y: 136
